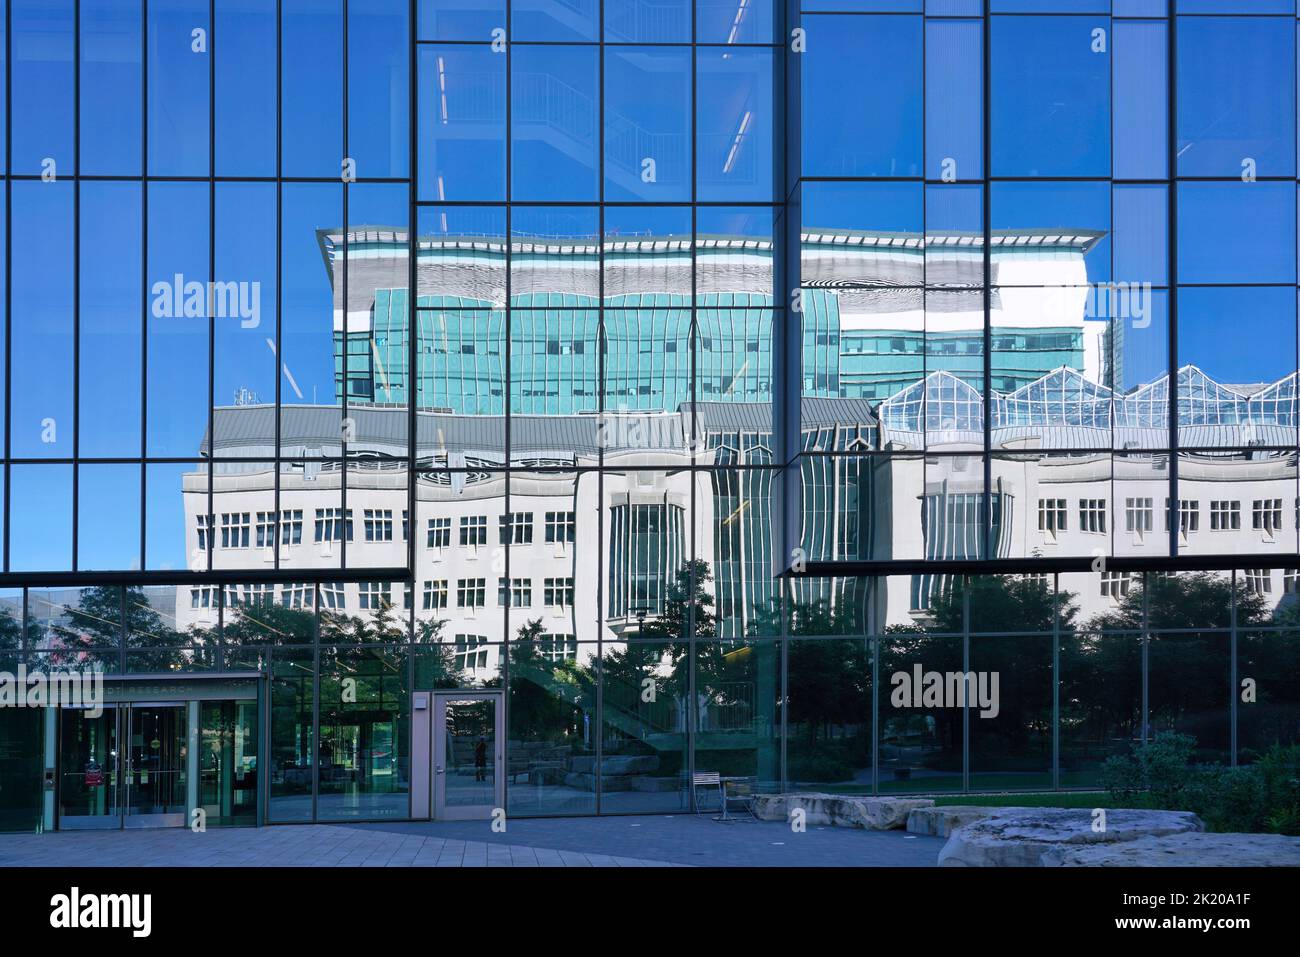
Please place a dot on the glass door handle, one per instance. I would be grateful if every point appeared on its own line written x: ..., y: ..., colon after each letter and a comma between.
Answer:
x: 438, y: 770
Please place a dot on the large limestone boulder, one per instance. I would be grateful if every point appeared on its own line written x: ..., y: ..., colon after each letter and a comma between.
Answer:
x: 1190, y: 849
x: 887, y: 814
x: 837, y: 810
x: 1019, y: 837
x: 942, y: 821
x: 769, y: 807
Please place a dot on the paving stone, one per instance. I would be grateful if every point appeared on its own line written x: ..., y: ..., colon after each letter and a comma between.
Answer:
x: 654, y: 841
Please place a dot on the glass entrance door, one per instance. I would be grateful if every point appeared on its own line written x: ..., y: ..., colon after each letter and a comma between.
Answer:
x: 468, y: 776
x: 227, y: 761
x: 155, y: 770
x: 131, y: 766
x: 89, y: 782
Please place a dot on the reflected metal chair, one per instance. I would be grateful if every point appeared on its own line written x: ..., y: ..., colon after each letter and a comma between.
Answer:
x: 741, y: 793
x: 707, y: 779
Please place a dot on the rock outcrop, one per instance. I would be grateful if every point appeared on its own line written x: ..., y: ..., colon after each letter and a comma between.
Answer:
x: 1191, y: 849
x: 839, y: 810
x: 942, y: 821
x: 1020, y: 837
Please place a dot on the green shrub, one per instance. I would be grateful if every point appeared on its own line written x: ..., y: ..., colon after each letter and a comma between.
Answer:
x: 1158, y: 768
x: 1226, y: 799
x: 1279, y: 772
x: 1263, y: 797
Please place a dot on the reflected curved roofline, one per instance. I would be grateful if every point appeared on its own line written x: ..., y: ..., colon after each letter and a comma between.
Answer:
x: 331, y: 240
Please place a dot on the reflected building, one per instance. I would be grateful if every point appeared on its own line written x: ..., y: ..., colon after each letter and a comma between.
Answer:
x: 900, y: 306
x: 629, y: 407
x: 599, y: 506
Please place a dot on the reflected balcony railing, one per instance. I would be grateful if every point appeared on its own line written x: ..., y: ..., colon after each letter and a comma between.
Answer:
x: 642, y: 21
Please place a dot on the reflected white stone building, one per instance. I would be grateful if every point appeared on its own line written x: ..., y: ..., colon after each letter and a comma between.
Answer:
x: 600, y: 510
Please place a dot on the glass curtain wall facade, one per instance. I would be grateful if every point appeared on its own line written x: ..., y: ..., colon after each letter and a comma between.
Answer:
x: 1077, y: 334
x: 387, y: 351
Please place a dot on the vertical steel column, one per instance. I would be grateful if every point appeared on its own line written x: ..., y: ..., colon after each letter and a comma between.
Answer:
x: 965, y: 667
x: 412, y: 523
x: 600, y: 403
x: 1056, y: 682
x: 986, y: 214
x: 508, y: 258
x: 692, y: 717
x: 9, y: 246
x: 315, y: 709
x: 212, y: 270
x: 875, y: 714
x: 277, y: 524
x: 1146, y: 654
x: 344, y: 518
x: 1174, y: 513
x: 144, y: 312
x: 76, y: 281
x: 263, y: 712
x: 1233, y: 682
x: 412, y: 300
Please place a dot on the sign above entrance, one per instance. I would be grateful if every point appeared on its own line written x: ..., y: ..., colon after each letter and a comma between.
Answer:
x: 222, y: 687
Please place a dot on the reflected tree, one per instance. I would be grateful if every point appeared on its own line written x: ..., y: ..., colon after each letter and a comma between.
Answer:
x: 1000, y: 607
x: 829, y: 710
x: 548, y: 698
x: 1189, y: 660
x: 382, y: 625
x: 268, y: 623
x: 1270, y: 661
x: 11, y: 633
x: 688, y: 606
x: 435, y: 659
x: 1188, y: 600
x: 94, y: 628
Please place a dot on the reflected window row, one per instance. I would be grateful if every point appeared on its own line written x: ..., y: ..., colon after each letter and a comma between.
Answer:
x: 604, y: 726
x: 636, y: 323
x: 469, y: 613
x: 1061, y: 334
x: 607, y: 729
x: 568, y: 123
x: 189, y: 88
x: 1079, y: 96
x: 614, y: 541
x: 579, y: 21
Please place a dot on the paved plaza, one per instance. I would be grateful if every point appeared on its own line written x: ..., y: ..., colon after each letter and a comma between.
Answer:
x: 642, y: 841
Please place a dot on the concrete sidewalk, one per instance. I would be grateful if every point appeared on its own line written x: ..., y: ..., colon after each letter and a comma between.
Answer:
x: 642, y: 841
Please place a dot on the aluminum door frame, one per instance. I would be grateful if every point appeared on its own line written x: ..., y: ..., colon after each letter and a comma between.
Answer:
x: 438, y: 743
x: 93, y: 822
x: 171, y: 819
